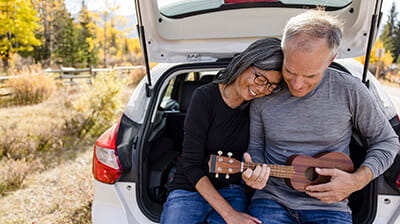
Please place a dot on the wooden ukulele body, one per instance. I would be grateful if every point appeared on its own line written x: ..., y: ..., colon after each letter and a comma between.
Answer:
x: 299, y: 170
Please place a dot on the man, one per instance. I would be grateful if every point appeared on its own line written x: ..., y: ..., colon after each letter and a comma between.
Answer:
x: 315, y: 112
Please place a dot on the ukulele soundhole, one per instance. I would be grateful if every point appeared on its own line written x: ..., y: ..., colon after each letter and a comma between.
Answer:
x: 310, y: 173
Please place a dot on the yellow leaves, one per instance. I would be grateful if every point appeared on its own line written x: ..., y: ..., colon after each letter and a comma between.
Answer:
x: 376, y: 55
x: 18, y: 25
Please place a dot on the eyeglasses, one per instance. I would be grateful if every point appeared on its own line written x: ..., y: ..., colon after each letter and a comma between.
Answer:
x: 263, y: 81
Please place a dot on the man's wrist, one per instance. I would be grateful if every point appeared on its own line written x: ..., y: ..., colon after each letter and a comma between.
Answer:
x: 362, y: 177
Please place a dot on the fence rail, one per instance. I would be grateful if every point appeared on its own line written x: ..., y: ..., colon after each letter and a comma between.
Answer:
x: 77, y: 73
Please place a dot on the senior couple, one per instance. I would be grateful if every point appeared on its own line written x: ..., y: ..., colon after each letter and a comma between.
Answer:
x: 310, y: 108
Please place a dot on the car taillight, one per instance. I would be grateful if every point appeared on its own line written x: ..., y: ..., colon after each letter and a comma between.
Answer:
x: 398, y: 181
x: 106, y: 166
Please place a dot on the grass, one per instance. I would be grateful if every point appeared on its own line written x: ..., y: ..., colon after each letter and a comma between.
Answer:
x: 59, y: 195
x: 45, y: 166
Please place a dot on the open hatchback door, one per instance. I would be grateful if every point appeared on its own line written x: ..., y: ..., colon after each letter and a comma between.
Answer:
x: 192, y: 40
x: 208, y: 30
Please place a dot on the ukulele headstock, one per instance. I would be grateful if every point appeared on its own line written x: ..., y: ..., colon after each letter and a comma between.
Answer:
x: 224, y: 165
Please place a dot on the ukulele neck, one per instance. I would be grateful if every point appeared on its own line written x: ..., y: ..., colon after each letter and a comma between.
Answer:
x: 276, y: 170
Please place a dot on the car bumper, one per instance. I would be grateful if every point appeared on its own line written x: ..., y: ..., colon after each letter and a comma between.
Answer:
x: 116, y: 203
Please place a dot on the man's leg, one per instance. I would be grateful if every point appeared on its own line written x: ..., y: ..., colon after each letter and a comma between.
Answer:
x: 184, y: 207
x: 270, y: 211
x: 324, y: 217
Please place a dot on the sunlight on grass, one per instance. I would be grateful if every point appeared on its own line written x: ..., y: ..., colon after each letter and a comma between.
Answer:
x: 59, y: 195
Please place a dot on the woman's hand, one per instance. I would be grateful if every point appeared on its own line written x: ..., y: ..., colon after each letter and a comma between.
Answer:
x: 241, y: 218
x: 258, y: 177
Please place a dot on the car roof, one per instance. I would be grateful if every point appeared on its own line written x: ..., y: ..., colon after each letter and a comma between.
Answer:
x: 208, y: 30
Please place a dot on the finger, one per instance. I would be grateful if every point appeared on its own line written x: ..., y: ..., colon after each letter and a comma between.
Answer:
x: 254, y: 219
x: 326, y: 171
x: 320, y: 187
x: 256, y: 174
x: 319, y: 195
x: 247, y: 174
x: 267, y: 173
x: 247, y: 157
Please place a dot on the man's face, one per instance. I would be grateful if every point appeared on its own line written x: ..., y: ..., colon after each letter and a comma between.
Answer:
x: 303, y: 68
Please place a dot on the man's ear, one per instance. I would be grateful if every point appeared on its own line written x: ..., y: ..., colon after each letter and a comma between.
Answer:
x: 331, y: 60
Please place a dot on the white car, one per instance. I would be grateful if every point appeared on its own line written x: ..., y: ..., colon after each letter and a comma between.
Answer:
x: 133, y: 161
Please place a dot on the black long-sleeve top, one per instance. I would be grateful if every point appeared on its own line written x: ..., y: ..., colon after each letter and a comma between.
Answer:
x: 210, y: 125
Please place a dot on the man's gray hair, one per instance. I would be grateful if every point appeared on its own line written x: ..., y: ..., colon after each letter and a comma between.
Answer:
x: 314, y: 24
x: 264, y: 54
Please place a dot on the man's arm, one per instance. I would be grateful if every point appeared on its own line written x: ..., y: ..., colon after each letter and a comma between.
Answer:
x: 382, y: 142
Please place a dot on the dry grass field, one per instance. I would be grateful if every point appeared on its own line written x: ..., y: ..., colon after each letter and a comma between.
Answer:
x: 46, y: 151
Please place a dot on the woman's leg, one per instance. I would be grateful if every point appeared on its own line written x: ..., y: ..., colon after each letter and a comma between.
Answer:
x: 235, y: 195
x: 184, y: 207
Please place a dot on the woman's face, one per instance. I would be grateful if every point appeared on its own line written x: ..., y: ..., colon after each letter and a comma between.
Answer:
x: 254, y: 83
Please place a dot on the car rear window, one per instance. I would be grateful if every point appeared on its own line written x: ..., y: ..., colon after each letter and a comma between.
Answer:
x: 185, y: 8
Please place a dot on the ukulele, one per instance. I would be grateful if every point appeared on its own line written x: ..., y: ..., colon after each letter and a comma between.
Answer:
x: 299, y: 170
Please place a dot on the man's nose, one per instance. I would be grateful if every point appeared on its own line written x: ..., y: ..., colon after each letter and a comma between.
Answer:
x: 297, y: 83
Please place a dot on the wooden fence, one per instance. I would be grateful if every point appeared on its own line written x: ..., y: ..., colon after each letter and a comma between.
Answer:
x: 70, y: 74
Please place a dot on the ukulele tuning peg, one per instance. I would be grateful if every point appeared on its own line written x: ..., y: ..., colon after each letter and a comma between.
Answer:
x: 219, y: 152
x: 227, y: 176
x: 216, y: 175
x: 230, y: 154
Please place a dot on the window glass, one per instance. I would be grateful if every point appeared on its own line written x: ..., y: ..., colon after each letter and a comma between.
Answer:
x: 173, y: 8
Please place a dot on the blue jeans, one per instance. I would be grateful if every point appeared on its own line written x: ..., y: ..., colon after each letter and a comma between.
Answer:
x: 271, y: 212
x: 188, y: 207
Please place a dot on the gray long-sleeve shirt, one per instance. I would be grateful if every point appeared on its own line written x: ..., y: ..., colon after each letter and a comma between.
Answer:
x: 282, y: 125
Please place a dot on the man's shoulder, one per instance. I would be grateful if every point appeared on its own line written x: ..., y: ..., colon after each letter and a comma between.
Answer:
x: 265, y: 101
x: 343, y: 78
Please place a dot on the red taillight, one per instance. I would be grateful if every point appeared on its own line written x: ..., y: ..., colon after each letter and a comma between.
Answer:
x: 398, y: 182
x: 106, y: 165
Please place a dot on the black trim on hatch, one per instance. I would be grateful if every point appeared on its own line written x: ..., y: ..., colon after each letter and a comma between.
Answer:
x: 225, y: 7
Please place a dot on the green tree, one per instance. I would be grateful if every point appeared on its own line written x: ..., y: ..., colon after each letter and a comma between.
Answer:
x: 66, y: 51
x: 388, y: 34
x: 17, y: 28
x: 88, y: 51
x: 396, y: 43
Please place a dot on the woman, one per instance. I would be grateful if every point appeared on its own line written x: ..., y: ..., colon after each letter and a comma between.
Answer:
x: 218, y: 119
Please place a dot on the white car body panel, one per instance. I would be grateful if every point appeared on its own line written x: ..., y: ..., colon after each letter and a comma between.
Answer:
x: 388, y: 211
x: 116, y: 203
x: 221, y: 34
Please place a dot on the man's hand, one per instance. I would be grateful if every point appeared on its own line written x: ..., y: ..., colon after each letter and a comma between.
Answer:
x: 341, y: 185
x: 258, y: 177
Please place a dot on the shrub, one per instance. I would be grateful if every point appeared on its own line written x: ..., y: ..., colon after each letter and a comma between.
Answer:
x: 22, y: 141
x: 31, y: 86
x: 98, y: 106
x: 135, y: 76
x: 14, y: 172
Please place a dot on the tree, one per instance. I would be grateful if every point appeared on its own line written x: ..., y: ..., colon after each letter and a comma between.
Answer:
x: 86, y: 37
x: 396, y: 42
x: 17, y: 28
x: 380, y: 63
x: 52, y: 14
x: 66, y: 51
